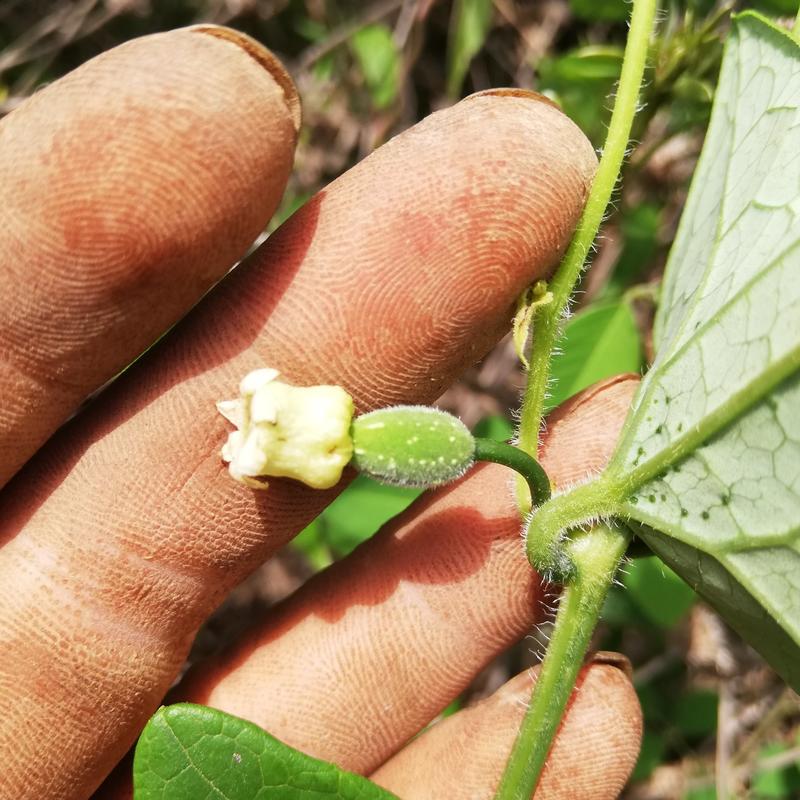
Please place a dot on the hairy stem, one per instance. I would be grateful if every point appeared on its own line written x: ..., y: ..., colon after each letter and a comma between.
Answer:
x: 596, y: 554
x: 544, y: 543
x: 527, y: 466
x: 587, y: 561
x: 796, y: 27
x: 546, y: 322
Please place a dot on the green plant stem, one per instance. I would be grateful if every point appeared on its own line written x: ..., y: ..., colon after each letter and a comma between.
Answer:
x: 527, y: 466
x: 596, y: 554
x: 590, y: 559
x: 544, y: 543
x: 796, y: 27
x: 547, y: 319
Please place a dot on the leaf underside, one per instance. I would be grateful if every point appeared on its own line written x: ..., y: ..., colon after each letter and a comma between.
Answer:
x: 190, y: 752
x: 710, y: 455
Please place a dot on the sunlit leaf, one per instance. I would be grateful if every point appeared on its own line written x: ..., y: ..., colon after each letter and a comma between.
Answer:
x: 601, y: 10
x: 188, y: 752
x: 379, y: 60
x: 469, y: 26
x: 581, y: 81
x: 597, y: 343
x: 358, y: 512
x: 657, y: 591
x: 494, y: 427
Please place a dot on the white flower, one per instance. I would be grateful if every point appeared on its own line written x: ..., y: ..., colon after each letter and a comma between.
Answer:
x: 300, y: 432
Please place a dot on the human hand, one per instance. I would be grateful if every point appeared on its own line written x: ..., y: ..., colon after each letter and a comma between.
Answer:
x: 128, y: 188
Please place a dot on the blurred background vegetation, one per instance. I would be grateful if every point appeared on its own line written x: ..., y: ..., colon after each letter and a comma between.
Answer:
x: 367, y: 70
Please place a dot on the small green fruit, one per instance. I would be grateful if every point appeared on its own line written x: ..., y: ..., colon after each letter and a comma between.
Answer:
x: 412, y: 446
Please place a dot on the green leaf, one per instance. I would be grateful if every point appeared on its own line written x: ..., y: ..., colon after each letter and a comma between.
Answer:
x: 325, y: 68
x: 658, y: 592
x: 619, y: 611
x: 639, y: 227
x: 601, y: 10
x: 581, y: 81
x: 710, y: 454
x: 494, y: 427
x: 312, y: 542
x: 379, y: 60
x: 691, y: 103
x: 593, y: 63
x: 187, y: 752
x: 732, y: 599
x: 310, y: 29
x: 651, y: 754
x: 469, y: 26
x: 358, y: 512
x: 597, y: 343
x: 786, y: 7
x: 780, y: 782
x: 696, y: 713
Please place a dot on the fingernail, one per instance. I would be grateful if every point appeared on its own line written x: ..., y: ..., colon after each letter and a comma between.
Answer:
x: 264, y: 58
x: 616, y: 660
x: 525, y: 94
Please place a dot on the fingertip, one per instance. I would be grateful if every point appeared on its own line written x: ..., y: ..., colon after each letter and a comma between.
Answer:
x: 598, y: 742
x: 264, y: 58
x: 568, y: 141
x: 464, y: 755
x: 513, y: 91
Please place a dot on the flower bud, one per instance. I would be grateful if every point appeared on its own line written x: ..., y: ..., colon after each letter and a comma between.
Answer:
x: 300, y: 432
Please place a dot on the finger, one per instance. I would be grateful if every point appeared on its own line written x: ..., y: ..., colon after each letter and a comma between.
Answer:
x: 128, y: 188
x: 389, y: 282
x: 464, y: 755
x: 402, y: 626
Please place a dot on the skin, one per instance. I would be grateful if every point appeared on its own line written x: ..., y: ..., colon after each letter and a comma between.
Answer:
x: 135, y: 183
